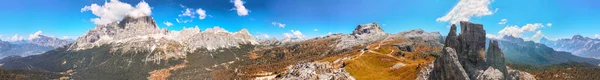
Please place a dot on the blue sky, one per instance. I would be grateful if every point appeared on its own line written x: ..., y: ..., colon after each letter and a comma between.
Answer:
x: 65, y: 18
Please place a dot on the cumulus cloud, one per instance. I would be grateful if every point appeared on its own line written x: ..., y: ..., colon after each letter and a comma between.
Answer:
x: 168, y: 24
x: 503, y: 21
x: 465, y: 9
x: 532, y: 27
x: 278, y: 24
x: 294, y: 34
x: 16, y: 37
x: 597, y: 36
x: 201, y: 13
x: 511, y: 30
x: 187, y: 12
x: 240, y: 8
x: 538, y: 35
x: 114, y: 10
x: 492, y: 36
x: 549, y: 24
x: 265, y: 36
x: 35, y: 35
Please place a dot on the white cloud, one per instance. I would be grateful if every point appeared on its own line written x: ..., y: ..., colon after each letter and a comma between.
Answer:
x: 549, y: 24
x: 265, y: 36
x: 294, y: 34
x: 201, y: 13
x: 532, y: 27
x: 538, y: 35
x: 240, y: 8
x: 16, y: 37
x: 503, y: 21
x: 316, y: 30
x: 493, y: 36
x: 191, y: 13
x: 511, y: 30
x: 187, y: 12
x: 168, y: 24
x: 278, y: 24
x: 515, y: 31
x: 597, y: 36
x: 465, y: 9
x: 35, y: 35
x: 115, y: 10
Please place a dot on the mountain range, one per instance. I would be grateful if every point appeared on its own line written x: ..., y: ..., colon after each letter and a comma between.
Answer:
x: 38, y: 44
x: 135, y: 48
x: 519, y: 51
x: 578, y: 45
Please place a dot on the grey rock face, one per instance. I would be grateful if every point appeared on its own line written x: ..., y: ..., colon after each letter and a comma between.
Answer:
x: 471, y: 48
x: 418, y: 35
x: 519, y: 75
x: 448, y: 67
x: 471, y: 43
x: 127, y: 28
x: 490, y: 74
x: 451, y: 38
x: 495, y: 57
x: 470, y: 57
x: 371, y: 28
x: 362, y: 34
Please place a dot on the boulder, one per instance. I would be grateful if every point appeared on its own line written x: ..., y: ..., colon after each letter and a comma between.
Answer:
x: 490, y: 74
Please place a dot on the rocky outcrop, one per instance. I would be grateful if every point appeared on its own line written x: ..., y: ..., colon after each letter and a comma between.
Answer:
x: 371, y: 28
x: 127, y: 28
x: 471, y: 46
x: 362, y: 34
x: 470, y: 61
x: 495, y: 57
x: 448, y: 67
x: 519, y: 75
x: 317, y: 70
x: 451, y: 38
x: 491, y: 74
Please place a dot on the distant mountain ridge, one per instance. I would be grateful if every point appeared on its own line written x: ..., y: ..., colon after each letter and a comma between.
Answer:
x: 578, y: 45
x: 33, y: 46
x: 528, y: 52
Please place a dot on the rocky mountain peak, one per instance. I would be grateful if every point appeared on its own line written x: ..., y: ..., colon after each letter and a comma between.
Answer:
x: 469, y: 61
x: 144, y: 19
x: 371, y: 28
x: 451, y: 38
x: 471, y: 42
x: 44, y: 40
x: 578, y: 37
x: 495, y: 57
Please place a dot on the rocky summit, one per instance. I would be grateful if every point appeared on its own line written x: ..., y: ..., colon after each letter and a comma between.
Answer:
x: 495, y: 57
x: 474, y: 63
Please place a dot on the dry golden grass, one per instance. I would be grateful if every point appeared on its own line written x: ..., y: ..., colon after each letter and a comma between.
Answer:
x: 377, y: 62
